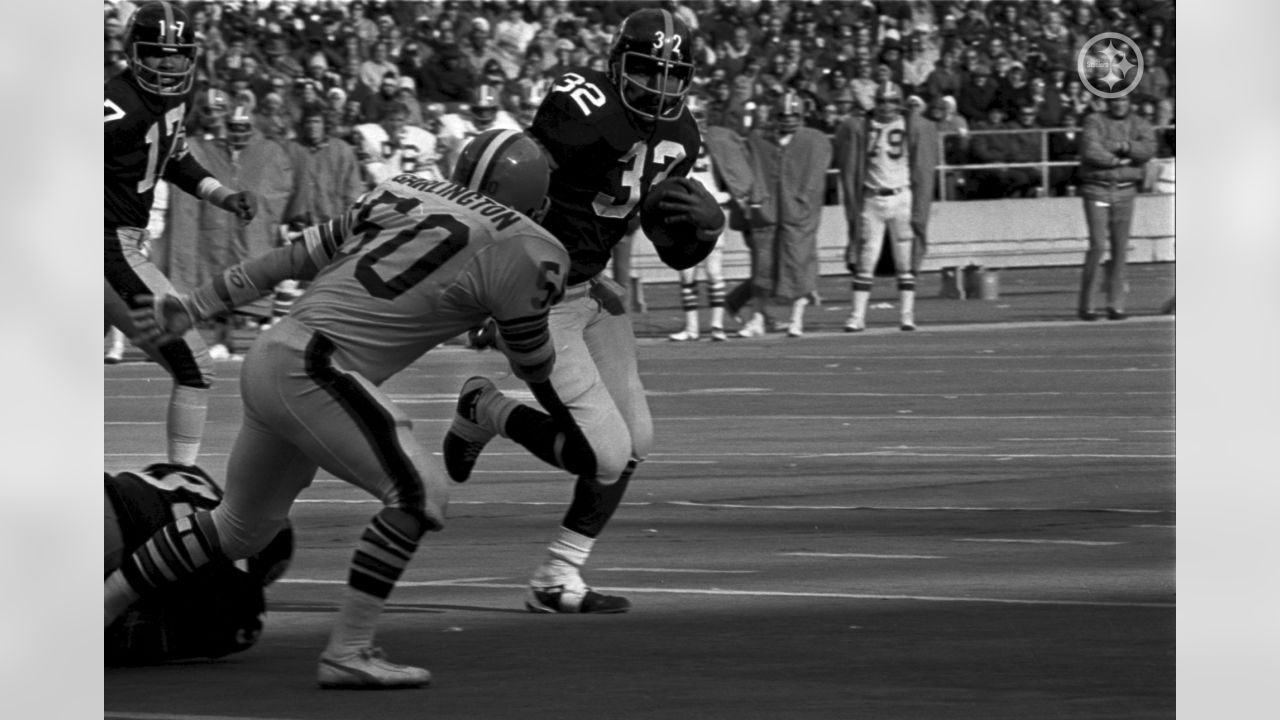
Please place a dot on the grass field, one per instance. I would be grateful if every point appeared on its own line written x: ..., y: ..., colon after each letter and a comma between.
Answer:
x: 976, y: 520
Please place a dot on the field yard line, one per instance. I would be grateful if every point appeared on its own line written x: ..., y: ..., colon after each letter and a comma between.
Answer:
x: 811, y: 595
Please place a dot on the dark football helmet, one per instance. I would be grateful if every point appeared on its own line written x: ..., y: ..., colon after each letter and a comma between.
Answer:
x: 509, y: 167
x: 239, y: 127
x: 652, y: 48
x: 788, y: 112
x: 484, y: 106
x: 160, y: 47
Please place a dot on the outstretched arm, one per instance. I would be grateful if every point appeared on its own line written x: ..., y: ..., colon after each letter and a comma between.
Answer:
x: 168, y: 316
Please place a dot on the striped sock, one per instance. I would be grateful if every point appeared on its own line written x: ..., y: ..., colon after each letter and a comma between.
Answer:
x: 173, y: 553
x: 385, y: 549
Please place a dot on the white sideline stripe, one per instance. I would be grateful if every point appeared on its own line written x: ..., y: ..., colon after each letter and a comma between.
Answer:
x: 463, y: 582
x: 825, y: 595
x: 1037, y: 542
x: 865, y: 555
x: 897, y: 453
x: 945, y: 508
x: 674, y: 570
x: 127, y: 715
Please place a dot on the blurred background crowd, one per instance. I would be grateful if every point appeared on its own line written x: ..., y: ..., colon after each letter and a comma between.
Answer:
x: 972, y: 66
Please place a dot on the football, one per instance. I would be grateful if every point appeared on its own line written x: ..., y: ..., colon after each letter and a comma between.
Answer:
x: 653, y: 218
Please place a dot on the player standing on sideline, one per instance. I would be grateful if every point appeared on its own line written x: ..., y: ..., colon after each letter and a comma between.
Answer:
x: 392, y: 146
x: 611, y: 137
x: 215, y: 612
x: 412, y: 264
x: 143, y: 112
x: 705, y: 172
x: 457, y: 129
x: 878, y: 157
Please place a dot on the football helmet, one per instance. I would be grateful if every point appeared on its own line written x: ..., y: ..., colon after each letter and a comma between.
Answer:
x: 888, y: 99
x: 788, y: 112
x: 507, y: 166
x: 651, y: 48
x: 484, y: 106
x: 239, y: 127
x: 160, y: 47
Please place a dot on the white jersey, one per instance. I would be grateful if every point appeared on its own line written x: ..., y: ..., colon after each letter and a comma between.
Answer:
x: 418, y: 262
x: 415, y: 152
x: 703, y: 171
x: 888, y: 165
x: 457, y: 129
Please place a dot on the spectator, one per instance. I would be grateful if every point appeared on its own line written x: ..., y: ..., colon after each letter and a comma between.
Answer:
x: 362, y: 27
x: 564, y: 49
x: 388, y: 94
x: 449, y: 77
x: 374, y: 71
x: 1154, y: 84
x: 1025, y: 147
x: 917, y: 66
x: 864, y: 87
x: 954, y: 130
x: 946, y: 78
x: 1015, y: 90
x: 733, y: 54
x: 1048, y: 104
x: 1115, y: 146
x: 978, y: 95
x: 1064, y: 146
x: 791, y: 168
x: 989, y: 148
x: 280, y: 61
x: 356, y: 90
x: 478, y: 50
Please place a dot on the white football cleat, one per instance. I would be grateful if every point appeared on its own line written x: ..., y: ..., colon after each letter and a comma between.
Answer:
x: 368, y: 668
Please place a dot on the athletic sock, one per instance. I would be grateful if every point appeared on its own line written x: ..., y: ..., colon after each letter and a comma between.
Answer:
x: 188, y: 408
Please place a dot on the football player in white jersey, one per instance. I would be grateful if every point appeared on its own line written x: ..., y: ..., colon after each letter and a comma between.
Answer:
x: 876, y: 172
x: 712, y: 267
x: 458, y: 128
x: 392, y: 146
x: 413, y: 263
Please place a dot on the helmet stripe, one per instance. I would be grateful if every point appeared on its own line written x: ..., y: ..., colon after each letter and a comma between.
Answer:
x: 483, y: 169
x: 668, y: 32
x: 169, y: 29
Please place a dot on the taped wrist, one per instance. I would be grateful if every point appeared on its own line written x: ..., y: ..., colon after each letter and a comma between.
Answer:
x: 213, y: 191
x: 231, y: 289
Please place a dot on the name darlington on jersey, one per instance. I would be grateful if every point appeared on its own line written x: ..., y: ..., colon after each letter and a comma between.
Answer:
x: 500, y: 215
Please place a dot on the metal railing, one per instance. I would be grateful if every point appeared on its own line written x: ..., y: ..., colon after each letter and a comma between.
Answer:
x: 1043, y: 164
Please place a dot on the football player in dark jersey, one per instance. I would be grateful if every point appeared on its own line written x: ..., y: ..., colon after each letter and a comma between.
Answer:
x: 215, y: 612
x: 143, y: 112
x: 611, y: 137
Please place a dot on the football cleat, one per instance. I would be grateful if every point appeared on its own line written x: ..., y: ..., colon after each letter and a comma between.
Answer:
x: 717, y: 334
x: 683, y: 336
x: 467, y: 437
x: 753, y: 328
x: 368, y: 668
x: 854, y: 325
x: 560, y: 599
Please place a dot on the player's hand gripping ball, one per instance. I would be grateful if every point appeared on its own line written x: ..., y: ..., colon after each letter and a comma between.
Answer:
x: 676, y: 209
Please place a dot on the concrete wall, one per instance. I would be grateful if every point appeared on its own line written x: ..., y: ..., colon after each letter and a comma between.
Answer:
x: 1032, y: 232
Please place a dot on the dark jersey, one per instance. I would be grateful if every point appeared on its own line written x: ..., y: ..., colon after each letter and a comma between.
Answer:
x: 216, y: 611
x: 604, y: 164
x: 145, y: 141
x: 148, y: 500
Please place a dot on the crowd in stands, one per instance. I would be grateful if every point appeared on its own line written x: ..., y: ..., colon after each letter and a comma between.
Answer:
x: 969, y: 66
